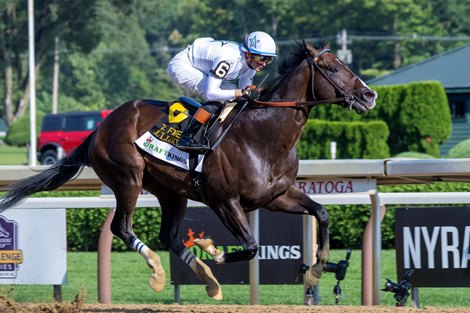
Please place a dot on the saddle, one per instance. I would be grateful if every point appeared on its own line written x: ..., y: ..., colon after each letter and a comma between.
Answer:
x: 161, y: 140
x: 178, y: 114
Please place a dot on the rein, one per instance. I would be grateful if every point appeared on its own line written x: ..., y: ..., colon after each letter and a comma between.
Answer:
x: 347, y: 97
x: 298, y: 103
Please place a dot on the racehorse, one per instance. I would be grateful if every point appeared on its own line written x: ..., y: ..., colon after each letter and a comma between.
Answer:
x: 255, y: 166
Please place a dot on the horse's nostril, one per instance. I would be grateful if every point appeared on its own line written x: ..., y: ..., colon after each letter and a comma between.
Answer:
x: 369, y: 95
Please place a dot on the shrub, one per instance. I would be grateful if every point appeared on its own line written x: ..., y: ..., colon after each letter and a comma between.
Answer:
x: 84, y: 225
x: 354, y: 140
x: 417, y: 115
x: 18, y: 132
x: 414, y: 155
x: 461, y: 150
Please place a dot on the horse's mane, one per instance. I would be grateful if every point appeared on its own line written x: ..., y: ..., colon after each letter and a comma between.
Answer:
x: 297, y: 54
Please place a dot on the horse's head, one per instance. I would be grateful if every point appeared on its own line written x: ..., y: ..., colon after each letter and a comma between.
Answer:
x: 332, y: 79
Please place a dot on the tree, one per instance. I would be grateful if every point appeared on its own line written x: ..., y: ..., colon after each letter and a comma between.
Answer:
x: 73, y: 21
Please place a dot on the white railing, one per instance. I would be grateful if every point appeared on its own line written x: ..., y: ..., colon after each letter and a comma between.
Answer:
x: 390, y: 171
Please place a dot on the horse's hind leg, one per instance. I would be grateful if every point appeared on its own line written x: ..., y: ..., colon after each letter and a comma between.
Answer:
x: 120, y: 165
x: 125, y: 179
x: 121, y: 226
x: 296, y: 202
x: 173, y: 210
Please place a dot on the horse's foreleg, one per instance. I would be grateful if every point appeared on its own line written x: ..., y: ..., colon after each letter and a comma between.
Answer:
x: 173, y: 210
x: 296, y: 202
x: 203, y: 273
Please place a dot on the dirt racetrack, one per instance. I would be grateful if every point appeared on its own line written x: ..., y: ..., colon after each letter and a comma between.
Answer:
x: 9, y: 306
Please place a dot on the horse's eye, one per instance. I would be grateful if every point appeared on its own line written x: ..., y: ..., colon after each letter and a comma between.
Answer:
x: 331, y: 68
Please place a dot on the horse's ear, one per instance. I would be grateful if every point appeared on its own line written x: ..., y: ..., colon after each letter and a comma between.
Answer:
x: 309, y: 48
x: 326, y: 45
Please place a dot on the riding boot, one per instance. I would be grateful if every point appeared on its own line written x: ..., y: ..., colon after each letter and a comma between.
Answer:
x: 187, y: 142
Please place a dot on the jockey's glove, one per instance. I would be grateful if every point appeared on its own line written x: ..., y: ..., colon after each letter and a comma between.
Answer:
x: 250, y: 94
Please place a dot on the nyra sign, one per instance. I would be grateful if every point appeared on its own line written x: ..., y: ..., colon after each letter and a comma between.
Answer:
x: 435, y: 242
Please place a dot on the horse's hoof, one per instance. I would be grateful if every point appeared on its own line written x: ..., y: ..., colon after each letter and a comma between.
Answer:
x: 204, y: 273
x: 157, y: 281
x: 204, y: 243
x: 207, y: 245
x: 215, y: 294
x: 158, y: 278
x: 313, y: 275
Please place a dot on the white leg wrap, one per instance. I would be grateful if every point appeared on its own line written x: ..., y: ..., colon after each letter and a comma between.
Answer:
x: 140, y: 247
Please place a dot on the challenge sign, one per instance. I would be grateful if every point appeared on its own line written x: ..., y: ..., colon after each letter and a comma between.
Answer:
x: 10, y: 256
x: 280, y: 246
x: 33, y: 247
x: 435, y: 242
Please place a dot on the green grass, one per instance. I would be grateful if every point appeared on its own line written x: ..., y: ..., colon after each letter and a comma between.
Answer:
x: 130, y: 285
x: 10, y: 155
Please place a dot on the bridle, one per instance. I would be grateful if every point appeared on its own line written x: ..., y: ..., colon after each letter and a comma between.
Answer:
x: 347, y: 98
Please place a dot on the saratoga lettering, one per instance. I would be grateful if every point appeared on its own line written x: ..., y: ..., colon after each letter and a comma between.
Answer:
x: 328, y: 186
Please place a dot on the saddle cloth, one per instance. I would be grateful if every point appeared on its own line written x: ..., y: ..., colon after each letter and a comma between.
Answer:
x: 160, y: 141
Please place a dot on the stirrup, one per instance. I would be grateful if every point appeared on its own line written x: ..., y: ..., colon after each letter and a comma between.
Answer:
x: 194, y: 148
x: 190, y: 145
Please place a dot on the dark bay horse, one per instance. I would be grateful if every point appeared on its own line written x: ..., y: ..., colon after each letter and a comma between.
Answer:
x: 254, y: 166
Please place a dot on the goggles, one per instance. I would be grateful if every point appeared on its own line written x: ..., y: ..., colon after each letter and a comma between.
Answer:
x: 262, y: 59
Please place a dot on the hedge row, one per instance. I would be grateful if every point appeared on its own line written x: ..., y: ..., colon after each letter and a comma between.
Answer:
x: 417, y: 115
x: 347, y: 222
x: 84, y: 225
x: 354, y: 140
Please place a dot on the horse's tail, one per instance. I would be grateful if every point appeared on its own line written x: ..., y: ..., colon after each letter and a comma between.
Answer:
x: 49, y: 179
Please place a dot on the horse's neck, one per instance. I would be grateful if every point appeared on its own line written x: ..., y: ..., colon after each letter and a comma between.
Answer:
x: 294, y: 87
x: 285, y: 124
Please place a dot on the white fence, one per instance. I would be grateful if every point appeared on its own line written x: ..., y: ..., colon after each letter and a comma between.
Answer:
x: 392, y: 171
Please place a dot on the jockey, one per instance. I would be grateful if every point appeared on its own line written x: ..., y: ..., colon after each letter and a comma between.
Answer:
x: 206, y: 66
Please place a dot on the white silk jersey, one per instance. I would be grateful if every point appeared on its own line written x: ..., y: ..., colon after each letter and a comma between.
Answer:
x: 215, y: 62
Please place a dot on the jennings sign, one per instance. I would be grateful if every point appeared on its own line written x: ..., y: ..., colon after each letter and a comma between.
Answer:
x: 280, y: 248
x: 435, y: 242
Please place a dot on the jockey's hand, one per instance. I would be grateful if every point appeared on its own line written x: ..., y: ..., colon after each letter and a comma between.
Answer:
x: 250, y: 94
